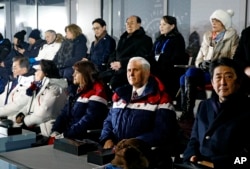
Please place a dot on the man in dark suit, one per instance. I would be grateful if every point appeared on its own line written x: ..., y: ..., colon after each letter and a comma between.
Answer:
x: 218, y: 135
x: 133, y: 42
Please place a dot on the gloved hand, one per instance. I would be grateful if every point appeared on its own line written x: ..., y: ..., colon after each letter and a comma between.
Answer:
x: 205, y: 65
x: 32, y: 60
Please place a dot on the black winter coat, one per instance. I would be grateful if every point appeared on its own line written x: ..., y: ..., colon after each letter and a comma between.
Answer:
x: 171, y: 51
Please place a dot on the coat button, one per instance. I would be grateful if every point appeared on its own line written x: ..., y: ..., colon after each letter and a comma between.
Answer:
x: 207, y: 137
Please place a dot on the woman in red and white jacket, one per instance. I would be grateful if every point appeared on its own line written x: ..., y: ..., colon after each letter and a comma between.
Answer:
x: 87, y: 109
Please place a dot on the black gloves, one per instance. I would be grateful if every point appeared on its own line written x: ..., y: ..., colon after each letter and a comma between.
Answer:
x: 205, y: 65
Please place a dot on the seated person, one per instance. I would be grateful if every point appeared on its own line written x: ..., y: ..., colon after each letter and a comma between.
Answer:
x: 18, y: 42
x: 149, y: 116
x: 5, y: 48
x: 102, y: 46
x: 133, y: 42
x: 35, y: 43
x: 48, y: 50
x: 85, y: 110
x: 48, y: 93
x: 14, y: 99
x: 220, y: 41
x: 218, y: 134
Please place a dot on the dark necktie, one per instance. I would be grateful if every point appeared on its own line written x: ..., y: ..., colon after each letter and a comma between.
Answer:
x: 134, y: 95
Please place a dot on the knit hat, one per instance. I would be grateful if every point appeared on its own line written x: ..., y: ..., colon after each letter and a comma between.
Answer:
x: 20, y: 35
x: 35, y: 34
x: 224, y: 16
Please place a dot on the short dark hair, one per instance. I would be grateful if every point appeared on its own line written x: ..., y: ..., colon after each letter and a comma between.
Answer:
x: 88, y: 71
x: 49, y: 68
x: 100, y: 21
x: 224, y: 61
x: 23, y: 61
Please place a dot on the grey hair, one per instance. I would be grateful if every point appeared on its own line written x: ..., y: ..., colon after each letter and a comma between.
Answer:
x: 145, y: 64
x: 51, y: 31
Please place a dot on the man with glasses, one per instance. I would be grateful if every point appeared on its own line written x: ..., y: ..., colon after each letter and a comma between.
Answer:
x: 102, y: 46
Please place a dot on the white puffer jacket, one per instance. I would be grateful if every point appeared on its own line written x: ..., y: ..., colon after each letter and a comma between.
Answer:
x: 17, y: 100
x: 44, y: 108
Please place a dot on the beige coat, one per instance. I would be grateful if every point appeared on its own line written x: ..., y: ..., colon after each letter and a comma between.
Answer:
x: 224, y: 48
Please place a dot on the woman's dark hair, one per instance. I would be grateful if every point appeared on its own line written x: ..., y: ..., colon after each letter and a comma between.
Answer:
x: 171, y: 21
x: 88, y: 71
x: 226, y: 62
x: 100, y: 21
x: 49, y: 68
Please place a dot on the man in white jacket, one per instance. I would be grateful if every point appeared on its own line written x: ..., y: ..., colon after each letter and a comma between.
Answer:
x: 48, y: 50
x: 14, y: 99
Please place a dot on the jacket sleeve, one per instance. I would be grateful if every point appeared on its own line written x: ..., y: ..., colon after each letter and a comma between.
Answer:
x: 95, y: 113
x: 61, y: 122
x: 79, y: 51
x: 235, y: 43
x: 17, y: 102
x: 109, y: 48
x: 193, y: 144
x: 143, y: 49
x: 107, y: 130
x: 203, y: 50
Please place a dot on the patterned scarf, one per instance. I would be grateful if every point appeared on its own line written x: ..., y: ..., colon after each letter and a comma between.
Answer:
x: 34, y: 87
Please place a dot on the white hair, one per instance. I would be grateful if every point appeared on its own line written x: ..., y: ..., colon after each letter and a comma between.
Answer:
x: 145, y: 64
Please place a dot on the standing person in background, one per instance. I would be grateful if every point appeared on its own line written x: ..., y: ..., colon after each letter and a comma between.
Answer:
x: 73, y: 49
x: 133, y: 42
x: 168, y: 50
x: 242, y: 57
x: 221, y: 41
x: 103, y: 45
x: 48, y: 50
x: 35, y: 43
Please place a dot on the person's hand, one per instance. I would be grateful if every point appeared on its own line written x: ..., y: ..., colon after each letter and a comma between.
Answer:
x: 205, y: 65
x: 247, y: 71
x: 2, y: 64
x: 84, y: 59
x: 20, y: 50
x: 193, y: 159
x: 59, y: 136
x: 115, y: 65
x: 54, y: 134
x: 108, y: 144
x: 19, y: 118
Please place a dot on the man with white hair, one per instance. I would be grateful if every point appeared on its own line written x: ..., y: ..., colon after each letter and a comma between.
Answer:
x: 147, y: 115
